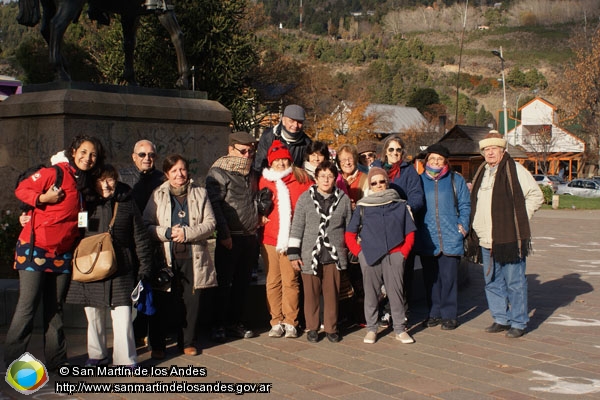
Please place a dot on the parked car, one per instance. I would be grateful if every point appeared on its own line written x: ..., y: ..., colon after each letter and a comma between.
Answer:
x: 545, y: 180
x: 581, y: 187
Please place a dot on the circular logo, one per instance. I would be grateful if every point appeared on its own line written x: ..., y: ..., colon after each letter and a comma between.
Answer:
x: 27, y: 374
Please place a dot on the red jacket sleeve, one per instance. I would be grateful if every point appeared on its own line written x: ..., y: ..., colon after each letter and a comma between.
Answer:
x: 407, y: 246
x: 352, y: 243
x: 30, y: 188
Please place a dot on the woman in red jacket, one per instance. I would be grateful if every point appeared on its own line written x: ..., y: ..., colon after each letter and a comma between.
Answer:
x: 287, y: 182
x: 45, y: 247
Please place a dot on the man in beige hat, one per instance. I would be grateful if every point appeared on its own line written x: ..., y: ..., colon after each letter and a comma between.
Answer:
x: 504, y: 198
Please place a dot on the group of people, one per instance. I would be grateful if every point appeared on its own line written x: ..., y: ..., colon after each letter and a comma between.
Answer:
x: 315, y: 222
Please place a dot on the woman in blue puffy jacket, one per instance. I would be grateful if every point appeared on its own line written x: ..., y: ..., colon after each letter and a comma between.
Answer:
x: 442, y: 226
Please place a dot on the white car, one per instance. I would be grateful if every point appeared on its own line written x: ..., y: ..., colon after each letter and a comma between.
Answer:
x: 581, y: 187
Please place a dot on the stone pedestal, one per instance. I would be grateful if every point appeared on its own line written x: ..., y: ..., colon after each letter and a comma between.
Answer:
x: 45, y: 118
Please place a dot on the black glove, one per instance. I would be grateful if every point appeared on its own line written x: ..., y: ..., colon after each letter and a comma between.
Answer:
x: 265, y: 201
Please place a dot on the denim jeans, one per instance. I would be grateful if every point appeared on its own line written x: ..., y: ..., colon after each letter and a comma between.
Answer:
x: 506, y: 291
x: 50, y: 289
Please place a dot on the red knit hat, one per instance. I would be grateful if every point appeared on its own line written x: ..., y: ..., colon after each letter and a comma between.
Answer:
x: 277, y: 151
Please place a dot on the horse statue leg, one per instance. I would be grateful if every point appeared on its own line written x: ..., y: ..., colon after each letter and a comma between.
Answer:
x: 169, y: 21
x: 129, y: 23
x: 53, y: 30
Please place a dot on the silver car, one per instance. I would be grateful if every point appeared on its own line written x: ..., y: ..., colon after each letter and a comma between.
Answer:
x: 581, y: 187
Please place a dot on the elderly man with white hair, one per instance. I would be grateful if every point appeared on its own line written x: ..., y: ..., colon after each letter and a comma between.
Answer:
x: 504, y: 198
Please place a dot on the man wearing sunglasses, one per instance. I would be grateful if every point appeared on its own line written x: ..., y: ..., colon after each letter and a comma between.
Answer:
x: 143, y: 178
x: 232, y: 185
x: 289, y: 132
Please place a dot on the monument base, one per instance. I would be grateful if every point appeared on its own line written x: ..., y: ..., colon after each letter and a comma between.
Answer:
x: 45, y: 118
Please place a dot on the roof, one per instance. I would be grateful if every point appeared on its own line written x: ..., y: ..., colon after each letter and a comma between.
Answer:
x: 395, y: 119
x: 463, y: 140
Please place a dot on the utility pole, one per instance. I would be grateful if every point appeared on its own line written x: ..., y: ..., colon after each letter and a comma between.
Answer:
x: 301, y: 15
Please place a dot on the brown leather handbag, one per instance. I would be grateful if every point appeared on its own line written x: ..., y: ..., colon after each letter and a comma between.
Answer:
x: 94, y: 258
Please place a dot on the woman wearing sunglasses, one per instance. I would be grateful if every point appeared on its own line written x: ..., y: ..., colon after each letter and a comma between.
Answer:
x: 402, y: 175
x: 405, y: 180
x: 387, y: 231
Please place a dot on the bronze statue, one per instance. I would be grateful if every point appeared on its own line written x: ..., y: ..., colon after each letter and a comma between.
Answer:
x: 58, y: 14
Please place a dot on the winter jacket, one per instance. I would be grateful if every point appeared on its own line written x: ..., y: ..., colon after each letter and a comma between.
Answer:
x: 297, y: 148
x: 387, y: 227
x: 286, y: 191
x: 130, y: 241
x: 232, y: 196
x: 408, y: 185
x: 305, y: 230
x: 142, y: 183
x: 54, y: 225
x: 157, y: 217
x: 446, y: 206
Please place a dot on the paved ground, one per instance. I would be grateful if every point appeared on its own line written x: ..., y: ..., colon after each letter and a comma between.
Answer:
x: 559, y: 358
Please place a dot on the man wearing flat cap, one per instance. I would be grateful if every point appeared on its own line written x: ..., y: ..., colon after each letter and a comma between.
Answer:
x: 231, y: 185
x: 503, y: 199
x: 289, y: 132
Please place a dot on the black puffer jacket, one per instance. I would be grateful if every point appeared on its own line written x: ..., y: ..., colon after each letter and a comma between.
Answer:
x: 130, y: 238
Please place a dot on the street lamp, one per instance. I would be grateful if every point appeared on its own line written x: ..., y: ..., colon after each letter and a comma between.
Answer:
x: 498, y: 53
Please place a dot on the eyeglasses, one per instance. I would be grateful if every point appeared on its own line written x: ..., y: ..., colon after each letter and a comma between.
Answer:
x: 392, y: 149
x: 346, y: 160
x: 368, y: 155
x: 244, y: 151
x: 375, y: 183
x: 326, y: 177
x: 143, y: 155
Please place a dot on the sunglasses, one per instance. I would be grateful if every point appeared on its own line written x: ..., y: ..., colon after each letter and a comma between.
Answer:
x: 244, y: 151
x: 274, y: 149
x: 392, y: 149
x: 375, y: 183
x: 367, y: 155
x: 143, y: 155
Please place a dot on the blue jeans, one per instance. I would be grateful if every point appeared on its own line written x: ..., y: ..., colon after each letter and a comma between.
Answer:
x: 506, y: 291
x: 50, y: 290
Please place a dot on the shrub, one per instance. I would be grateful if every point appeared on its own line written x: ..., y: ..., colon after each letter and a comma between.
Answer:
x: 548, y: 193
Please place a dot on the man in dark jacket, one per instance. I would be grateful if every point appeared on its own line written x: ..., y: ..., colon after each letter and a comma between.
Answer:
x: 231, y: 185
x: 143, y: 178
x: 289, y: 132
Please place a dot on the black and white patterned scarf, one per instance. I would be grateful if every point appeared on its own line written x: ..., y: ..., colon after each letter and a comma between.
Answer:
x: 323, y: 238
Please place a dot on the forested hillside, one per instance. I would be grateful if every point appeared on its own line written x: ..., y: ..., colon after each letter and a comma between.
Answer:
x: 253, y: 57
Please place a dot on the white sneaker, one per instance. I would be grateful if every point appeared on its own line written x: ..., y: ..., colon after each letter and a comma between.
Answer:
x: 370, y: 337
x: 290, y: 331
x: 276, y: 331
x: 405, y: 338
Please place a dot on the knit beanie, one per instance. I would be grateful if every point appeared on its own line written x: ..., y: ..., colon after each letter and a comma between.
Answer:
x: 378, y: 171
x: 277, y: 151
x: 493, y: 138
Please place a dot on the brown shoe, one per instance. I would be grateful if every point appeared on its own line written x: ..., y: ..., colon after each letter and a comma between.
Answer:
x: 190, y: 351
x: 158, y: 354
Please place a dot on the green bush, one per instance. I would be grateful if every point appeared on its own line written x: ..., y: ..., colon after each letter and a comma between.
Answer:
x: 548, y: 193
x: 9, y: 232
